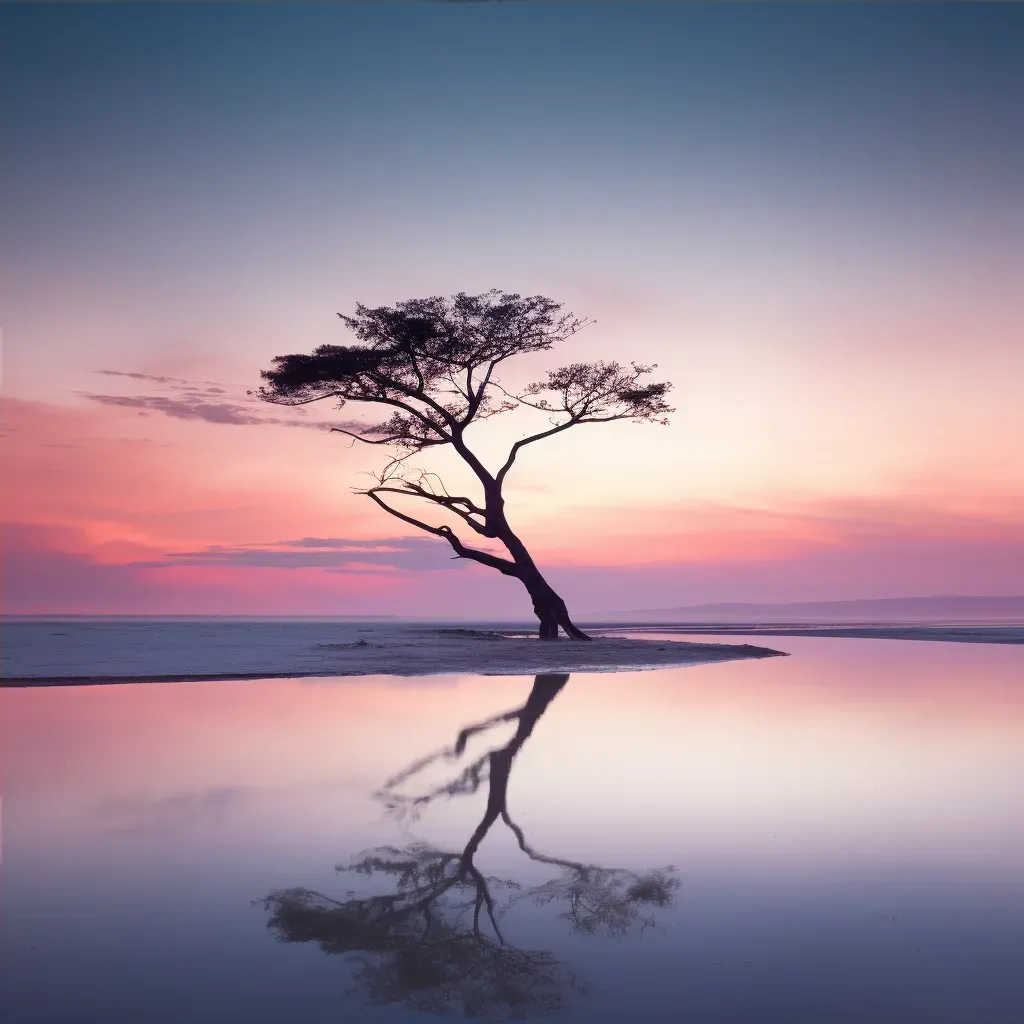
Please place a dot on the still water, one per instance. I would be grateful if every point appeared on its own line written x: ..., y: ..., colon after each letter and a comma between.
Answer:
x: 835, y: 836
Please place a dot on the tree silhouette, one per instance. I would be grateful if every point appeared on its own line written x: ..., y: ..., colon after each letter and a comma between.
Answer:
x: 424, y: 944
x: 434, y: 362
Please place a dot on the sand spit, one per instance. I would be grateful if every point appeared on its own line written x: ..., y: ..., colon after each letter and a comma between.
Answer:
x: 41, y: 654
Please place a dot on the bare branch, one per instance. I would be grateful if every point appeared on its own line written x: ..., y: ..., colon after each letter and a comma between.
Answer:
x: 437, y: 531
x: 422, y: 485
x: 451, y: 504
x: 395, y: 439
x: 503, y: 565
x: 503, y: 472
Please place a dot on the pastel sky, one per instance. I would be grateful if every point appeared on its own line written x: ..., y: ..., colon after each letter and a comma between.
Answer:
x: 811, y: 218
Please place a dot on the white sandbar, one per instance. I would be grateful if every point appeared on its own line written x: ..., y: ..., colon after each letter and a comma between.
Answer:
x: 62, y: 653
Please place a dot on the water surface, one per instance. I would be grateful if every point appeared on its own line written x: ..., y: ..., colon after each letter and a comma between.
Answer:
x: 835, y: 836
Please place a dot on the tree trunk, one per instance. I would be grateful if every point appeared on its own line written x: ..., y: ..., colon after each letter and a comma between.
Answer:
x: 547, y: 605
x: 550, y: 609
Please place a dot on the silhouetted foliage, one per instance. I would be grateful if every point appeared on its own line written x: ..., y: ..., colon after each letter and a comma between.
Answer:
x: 433, y: 942
x: 434, y: 362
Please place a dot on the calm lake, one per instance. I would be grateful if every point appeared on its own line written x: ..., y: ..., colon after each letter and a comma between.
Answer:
x: 835, y: 836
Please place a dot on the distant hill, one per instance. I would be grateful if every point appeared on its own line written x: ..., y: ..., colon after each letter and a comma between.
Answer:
x: 886, y: 609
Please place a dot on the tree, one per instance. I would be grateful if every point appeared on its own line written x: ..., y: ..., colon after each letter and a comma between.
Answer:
x: 434, y: 362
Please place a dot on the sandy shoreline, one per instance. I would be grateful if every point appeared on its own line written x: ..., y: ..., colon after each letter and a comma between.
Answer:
x: 50, y: 654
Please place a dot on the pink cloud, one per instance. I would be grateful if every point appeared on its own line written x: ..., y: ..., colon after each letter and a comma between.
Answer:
x: 51, y: 570
x: 46, y: 570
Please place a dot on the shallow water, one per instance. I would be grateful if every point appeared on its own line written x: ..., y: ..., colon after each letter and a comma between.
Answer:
x: 844, y: 829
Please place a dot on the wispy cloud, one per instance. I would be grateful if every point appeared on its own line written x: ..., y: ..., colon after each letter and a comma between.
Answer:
x: 200, y: 407
x: 155, y: 378
x: 333, y: 554
x: 206, y: 400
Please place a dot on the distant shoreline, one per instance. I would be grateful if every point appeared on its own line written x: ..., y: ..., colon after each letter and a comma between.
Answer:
x: 964, y: 634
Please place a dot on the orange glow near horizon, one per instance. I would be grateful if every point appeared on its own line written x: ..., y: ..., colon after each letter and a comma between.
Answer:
x: 155, y: 498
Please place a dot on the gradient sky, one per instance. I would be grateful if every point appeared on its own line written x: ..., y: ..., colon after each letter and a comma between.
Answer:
x: 811, y: 217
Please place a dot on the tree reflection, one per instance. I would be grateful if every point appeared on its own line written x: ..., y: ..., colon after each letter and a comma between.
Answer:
x: 424, y: 944
x: 433, y: 941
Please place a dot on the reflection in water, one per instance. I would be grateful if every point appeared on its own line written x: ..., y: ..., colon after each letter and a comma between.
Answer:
x: 433, y: 942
